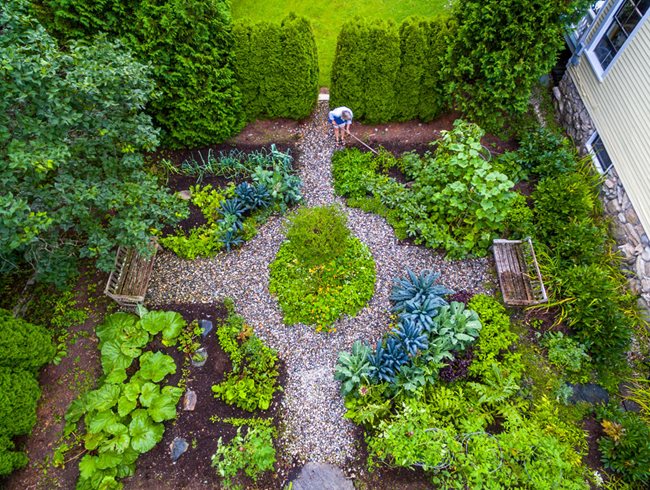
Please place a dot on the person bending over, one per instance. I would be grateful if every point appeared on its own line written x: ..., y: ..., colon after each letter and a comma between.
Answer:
x: 341, y: 119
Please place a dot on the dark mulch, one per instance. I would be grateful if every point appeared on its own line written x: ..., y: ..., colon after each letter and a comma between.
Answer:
x: 594, y: 433
x: 193, y: 469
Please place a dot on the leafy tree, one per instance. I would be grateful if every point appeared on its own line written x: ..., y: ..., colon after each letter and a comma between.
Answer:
x: 73, y: 182
x: 501, y: 49
x: 189, y: 44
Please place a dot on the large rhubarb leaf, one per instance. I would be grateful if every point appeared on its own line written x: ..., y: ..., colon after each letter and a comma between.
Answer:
x: 113, y: 326
x: 149, y: 392
x: 170, y: 323
x: 119, y: 442
x: 145, y: 433
x: 103, y: 398
x: 163, y: 407
x: 98, y: 421
x: 155, y: 366
x: 113, y: 357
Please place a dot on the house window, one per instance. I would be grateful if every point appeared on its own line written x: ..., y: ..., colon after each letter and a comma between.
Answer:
x: 619, y: 28
x: 599, y: 154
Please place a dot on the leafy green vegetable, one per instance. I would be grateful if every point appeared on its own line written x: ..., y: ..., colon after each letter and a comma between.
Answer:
x: 155, y: 366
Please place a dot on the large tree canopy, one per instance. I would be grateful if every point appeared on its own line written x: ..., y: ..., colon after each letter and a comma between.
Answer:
x: 73, y: 181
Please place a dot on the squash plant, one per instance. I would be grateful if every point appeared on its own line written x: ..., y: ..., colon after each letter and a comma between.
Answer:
x: 123, y: 418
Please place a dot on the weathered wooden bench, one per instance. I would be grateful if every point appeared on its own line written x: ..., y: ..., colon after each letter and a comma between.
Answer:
x: 519, y: 276
x: 128, y: 282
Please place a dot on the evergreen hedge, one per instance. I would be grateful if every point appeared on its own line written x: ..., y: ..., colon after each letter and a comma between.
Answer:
x: 276, y: 67
x: 189, y: 43
x: 384, y: 74
x: 24, y: 348
x: 23, y: 345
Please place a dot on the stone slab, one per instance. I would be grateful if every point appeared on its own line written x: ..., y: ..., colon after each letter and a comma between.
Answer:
x: 321, y: 476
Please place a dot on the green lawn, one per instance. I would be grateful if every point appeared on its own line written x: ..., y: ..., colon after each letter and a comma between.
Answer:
x: 327, y: 16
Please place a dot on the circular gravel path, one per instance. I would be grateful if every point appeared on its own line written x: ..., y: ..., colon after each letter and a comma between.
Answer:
x: 312, y: 409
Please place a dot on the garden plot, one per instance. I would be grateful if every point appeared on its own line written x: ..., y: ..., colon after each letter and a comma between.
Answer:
x: 312, y: 409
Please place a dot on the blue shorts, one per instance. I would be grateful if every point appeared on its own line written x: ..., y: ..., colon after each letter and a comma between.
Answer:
x: 339, y: 122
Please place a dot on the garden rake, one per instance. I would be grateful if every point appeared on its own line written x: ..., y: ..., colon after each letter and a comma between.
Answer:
x: 371, y: 149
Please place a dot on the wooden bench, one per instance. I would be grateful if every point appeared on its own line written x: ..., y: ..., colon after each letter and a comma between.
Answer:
x: 519, y: 276
x: 128, y: 282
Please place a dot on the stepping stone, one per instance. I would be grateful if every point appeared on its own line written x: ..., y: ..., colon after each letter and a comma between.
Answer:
x: 189, y: 400
x: 178, y: 447
x: 185, y: 195
x: 206, y: 326
x: 590, y: 393
x: 321, y: 476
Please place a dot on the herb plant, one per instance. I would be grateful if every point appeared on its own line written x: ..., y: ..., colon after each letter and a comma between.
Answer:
x: 253, y: 380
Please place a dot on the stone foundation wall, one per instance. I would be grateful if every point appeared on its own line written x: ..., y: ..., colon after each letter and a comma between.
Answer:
x: 631, y: 237
x: 572, y: 112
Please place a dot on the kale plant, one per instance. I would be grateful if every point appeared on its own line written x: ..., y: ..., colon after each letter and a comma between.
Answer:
x: 354, y: 368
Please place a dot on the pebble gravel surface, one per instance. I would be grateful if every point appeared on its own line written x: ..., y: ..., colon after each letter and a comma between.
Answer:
x: 312, y: 409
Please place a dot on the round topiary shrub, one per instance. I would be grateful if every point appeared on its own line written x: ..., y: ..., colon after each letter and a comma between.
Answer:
x: 321, y: 271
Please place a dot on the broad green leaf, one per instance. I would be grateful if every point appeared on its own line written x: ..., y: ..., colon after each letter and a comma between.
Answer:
x: 131, y: 390
x: 110, y: 483
x: 174, y: 391
x: 109, y: 459
x: 92, y: 441
x: 145, y: 434
x: 132, y: 338
x: 76, y: 410
x: 102, y: 398
x: 87, y: 466
x: 96, y: 422
x: 113, y: 357
x: 125, y: 470
x: 163, y: 407
x: 113, y: 325
x: 169, y: 323
x: 119, y: 441
x: 149, y: 392
x: 125, y: 406
x: 155, y: 366
x: 116, y: 376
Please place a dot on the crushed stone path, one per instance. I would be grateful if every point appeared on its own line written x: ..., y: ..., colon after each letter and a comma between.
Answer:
x: 312, y: 409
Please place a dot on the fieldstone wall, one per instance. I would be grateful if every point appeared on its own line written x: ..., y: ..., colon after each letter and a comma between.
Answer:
x: 631, y: 237
x: 572, y: 112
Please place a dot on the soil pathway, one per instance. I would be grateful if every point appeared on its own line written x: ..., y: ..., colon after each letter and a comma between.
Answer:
x: 312, y: 409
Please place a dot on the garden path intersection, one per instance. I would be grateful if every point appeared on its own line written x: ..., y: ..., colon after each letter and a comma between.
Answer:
x: 312, y: 423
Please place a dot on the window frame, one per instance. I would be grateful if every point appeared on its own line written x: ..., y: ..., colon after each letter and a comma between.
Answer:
x: 589, y: 146
x: 590, y: 52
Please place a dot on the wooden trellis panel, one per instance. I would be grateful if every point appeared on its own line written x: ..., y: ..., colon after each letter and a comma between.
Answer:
x: 128, y: 282
x: 519, y: 276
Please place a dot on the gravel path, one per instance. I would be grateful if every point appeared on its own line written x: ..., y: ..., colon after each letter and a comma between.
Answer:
x: 312, y: 409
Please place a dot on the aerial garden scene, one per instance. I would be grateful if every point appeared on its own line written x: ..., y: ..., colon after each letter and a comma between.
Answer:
x: 306, y: 245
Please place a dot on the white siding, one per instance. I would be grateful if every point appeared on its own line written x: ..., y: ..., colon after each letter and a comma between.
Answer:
x: 620, y: 108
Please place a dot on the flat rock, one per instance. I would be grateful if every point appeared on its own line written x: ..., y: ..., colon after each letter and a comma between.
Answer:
x: 185, y: 195
x: 590, y: 393
x: 206, y: 327
x: 189, y: 400
x: 321, y: 476
x: 178, y: 447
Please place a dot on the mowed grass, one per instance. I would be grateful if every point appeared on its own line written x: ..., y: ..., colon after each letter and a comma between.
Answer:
x: 327, y: 17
